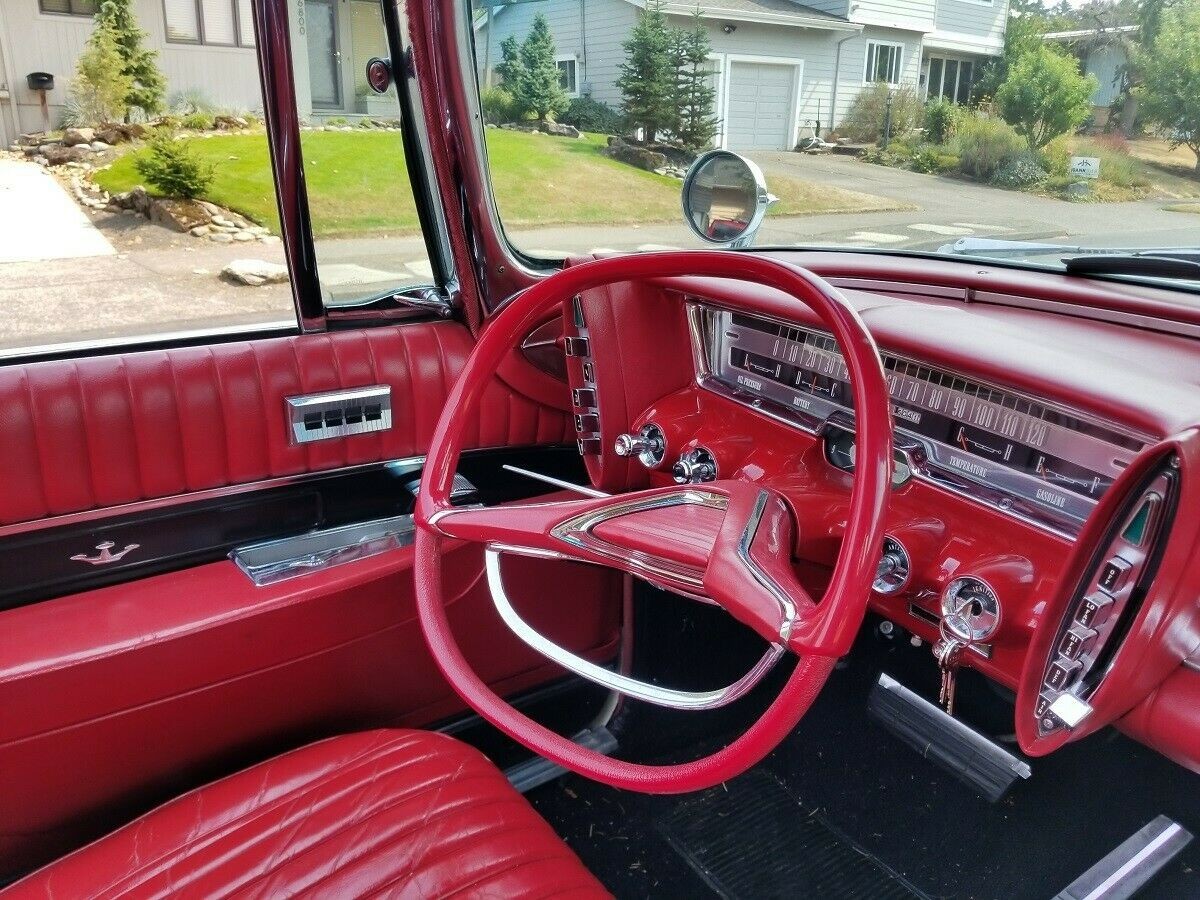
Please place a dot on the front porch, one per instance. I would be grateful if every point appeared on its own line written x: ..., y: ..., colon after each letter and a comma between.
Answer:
x: 333, y: 41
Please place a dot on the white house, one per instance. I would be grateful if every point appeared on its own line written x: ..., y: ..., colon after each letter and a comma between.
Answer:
x: 781, y: 67
x: 1102, y: 52
x: 203, y: 45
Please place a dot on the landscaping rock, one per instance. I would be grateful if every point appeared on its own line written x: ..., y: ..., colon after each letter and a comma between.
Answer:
x: 230, y: 123
x: 99, y: 146
x: 243, y: 236
x: 201, y: 231
x: 255, y: 272
x: 1079, y: 190
x: 633, y: 155
x: 73, y: 136
x: 220, y: 221
x: 61, y: 156
x: 120, y: 133
x: 555, y: 128
x: 221, y: 237
x: 179, y: 215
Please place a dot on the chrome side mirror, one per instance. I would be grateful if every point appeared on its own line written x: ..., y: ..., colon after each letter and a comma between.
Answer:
x: 725, y: 198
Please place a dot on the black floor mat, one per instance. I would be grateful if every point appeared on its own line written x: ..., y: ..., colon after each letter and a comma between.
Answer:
x: 751, y: 840
x: 899, y: 808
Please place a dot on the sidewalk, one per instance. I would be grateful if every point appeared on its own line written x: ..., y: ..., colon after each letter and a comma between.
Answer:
x: 40, y: 221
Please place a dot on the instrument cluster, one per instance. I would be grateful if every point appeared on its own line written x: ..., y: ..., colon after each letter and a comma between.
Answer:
x: 1024, y: 456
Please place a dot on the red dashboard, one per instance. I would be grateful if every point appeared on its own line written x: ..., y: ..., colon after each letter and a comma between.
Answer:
x: 1113, y: 373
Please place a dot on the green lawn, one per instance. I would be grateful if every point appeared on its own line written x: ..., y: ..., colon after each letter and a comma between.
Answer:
x: 357, y: 183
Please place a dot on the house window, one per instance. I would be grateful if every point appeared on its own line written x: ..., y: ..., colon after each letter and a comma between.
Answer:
x: 883, y: 62
x: 568, y: 74
x: 69, y: 7
x: 220, y: 23
x: 950, y: 79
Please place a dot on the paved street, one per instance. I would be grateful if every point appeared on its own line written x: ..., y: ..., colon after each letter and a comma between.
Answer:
x: 115, y: 276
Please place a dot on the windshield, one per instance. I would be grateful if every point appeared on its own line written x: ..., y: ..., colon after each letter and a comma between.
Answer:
x: 977, y: 128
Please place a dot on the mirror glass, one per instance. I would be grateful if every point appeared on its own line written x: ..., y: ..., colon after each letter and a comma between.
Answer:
x: 722, y: 195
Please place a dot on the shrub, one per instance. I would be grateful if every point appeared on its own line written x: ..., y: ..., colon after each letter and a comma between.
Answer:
x: 926, y: 160
x: 191, y: 100
x: 197, y: 121
x: 497, y: 105
x: 940, y: 116
x: 1056, y: 156
x: 1045, y: 95
x: 587, y: 114
x: 864, y: 120
x: 337, y: 121
x: 985, y: 145
x: 170, y: 166
x: 1020, y: 171
x: 98, y: 90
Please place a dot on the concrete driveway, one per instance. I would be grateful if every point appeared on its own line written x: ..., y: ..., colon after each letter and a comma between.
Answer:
x: 948, y: 208
x: 40, y: 221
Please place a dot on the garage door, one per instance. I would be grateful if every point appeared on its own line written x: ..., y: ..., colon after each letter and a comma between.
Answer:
x: 758, y: 116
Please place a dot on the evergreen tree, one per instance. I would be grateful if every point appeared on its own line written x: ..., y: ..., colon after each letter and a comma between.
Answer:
x: 695, y: 125
x: 539, y: 91
x: 510, y: 67
x: 98, y: 90
x: 140, y: 65
x: 647, y: 81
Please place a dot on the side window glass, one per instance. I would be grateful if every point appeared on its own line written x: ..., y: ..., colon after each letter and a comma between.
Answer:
x: 134, y: 207
x: 363, y: 213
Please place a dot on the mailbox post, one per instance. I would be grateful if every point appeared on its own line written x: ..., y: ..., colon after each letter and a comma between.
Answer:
x: 40, y: 82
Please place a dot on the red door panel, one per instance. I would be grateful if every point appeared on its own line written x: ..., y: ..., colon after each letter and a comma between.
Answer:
x: 118, y: 698
x: 92, y: 433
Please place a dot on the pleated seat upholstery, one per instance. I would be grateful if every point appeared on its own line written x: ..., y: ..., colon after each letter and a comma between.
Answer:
x: 395, y: 813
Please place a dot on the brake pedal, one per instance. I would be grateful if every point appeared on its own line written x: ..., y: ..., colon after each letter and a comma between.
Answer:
x: 971, y: 757
x: 538, y: 771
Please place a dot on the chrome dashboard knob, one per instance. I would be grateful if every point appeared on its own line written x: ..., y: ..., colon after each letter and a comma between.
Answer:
x: 649, y: 445
x: 695, y: 467
x: 631, y: 445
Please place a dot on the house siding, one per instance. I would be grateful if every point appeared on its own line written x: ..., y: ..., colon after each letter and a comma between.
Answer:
x: 969, y: 26
x: 907, y: 15
x: 42, y: 42
x: 610, y: 21
x: 599, y: 50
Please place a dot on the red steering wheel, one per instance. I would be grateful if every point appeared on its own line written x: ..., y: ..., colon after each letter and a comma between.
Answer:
x: 745, y: 532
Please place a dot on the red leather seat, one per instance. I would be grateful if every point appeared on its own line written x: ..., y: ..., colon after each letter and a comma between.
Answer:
x: 394, y: 813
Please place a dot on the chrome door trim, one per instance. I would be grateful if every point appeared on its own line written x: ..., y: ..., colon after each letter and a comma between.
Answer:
x: 614, y: 681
